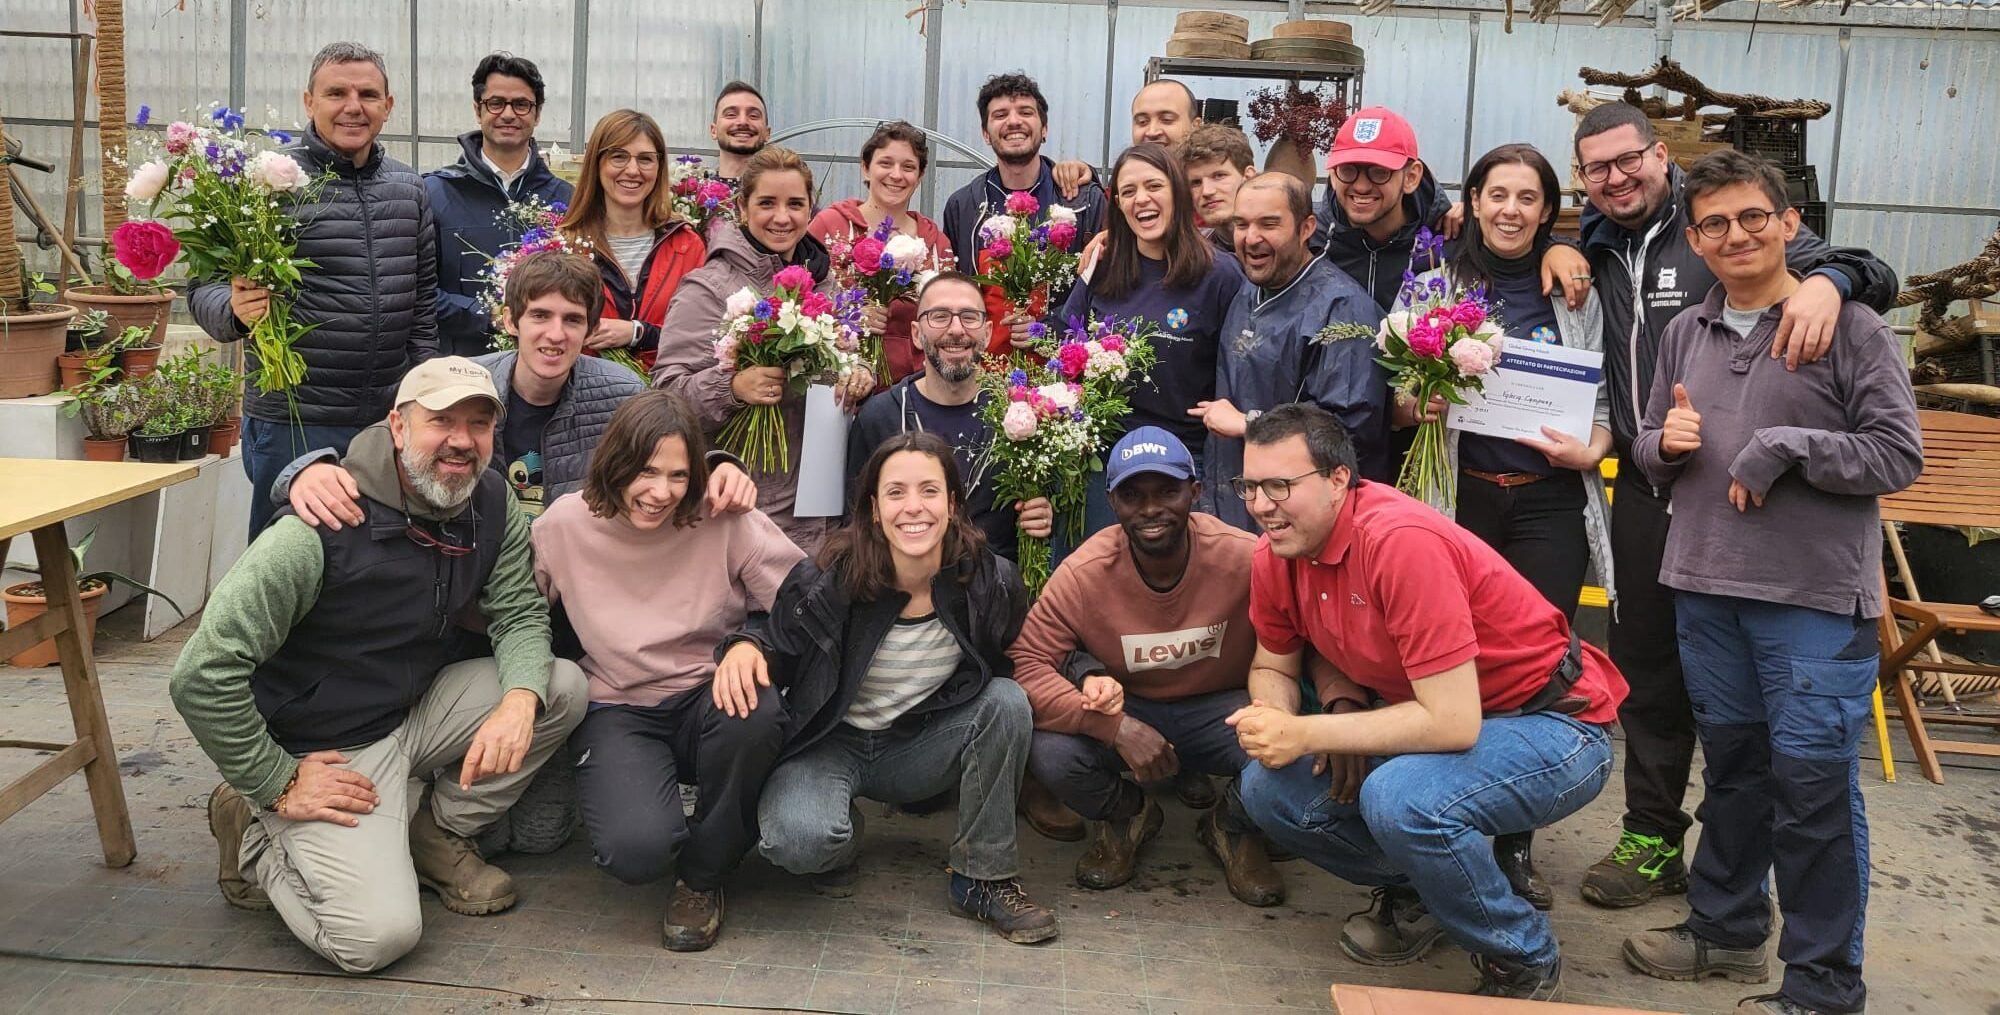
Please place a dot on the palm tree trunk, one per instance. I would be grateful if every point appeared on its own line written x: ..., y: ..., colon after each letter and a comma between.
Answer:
x: 111, y: 109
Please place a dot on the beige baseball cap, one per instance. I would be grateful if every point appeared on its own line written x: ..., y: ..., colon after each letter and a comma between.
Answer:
x: 438, y: 384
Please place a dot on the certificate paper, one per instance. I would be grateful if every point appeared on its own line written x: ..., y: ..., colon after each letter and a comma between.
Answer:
x: 823, y: 458
x: 1535, y: 384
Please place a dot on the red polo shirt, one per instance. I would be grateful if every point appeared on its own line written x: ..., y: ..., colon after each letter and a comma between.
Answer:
x: 1398, y: 591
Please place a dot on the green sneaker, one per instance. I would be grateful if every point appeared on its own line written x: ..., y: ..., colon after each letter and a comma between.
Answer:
x: 1636, y: 870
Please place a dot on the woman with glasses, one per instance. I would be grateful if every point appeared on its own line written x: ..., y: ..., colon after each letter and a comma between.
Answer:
x: 1540, y: 503
x: 774, y: 205
x: 893, y: 162
x: 624, y: 210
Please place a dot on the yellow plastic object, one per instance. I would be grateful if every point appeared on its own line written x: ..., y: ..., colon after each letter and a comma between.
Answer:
x: 1882, y: 738
x: 1591, y: 595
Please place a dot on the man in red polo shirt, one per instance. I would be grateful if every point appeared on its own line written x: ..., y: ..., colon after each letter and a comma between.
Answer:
x: 1491, y: 717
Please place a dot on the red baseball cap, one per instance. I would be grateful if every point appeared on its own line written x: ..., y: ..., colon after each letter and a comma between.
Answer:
x: 1374, y: 136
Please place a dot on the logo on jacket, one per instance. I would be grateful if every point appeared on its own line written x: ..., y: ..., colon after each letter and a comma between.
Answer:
x: 1177, y: 318
x: 1669, y: 278
x: 1172, y: 650
x: 1367, y: 130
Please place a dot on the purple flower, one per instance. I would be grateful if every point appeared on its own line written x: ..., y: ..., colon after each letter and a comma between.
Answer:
x: 763, y: 311
x: 1428, y: 242
x: 145, y: 115
x: 560, y: 207
x: 885, y: 230
x: 280, y: 136
x: 1039, y: 235
x: 1018, y: 378
x: 1038, y: 331
x: 886, y: 262
x: 903, y: 277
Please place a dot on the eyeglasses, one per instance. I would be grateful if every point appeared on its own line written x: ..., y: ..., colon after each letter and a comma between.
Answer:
x: 941, y: 318
x: 1753, y: 220
x: 424, y: 539
x: 619, y: 158
x: 1628, y: 163
x: 497, y: 105
x: 1275, y: 489
x: 1377, y: 175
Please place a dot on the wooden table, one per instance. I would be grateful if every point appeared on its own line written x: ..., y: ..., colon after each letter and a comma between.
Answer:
x: 38, y: 496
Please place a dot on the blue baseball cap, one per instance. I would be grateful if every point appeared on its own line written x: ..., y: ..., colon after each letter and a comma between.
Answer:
x: 1147, y: 449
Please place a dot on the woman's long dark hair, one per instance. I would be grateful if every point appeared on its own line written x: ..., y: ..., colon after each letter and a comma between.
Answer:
x: 1188, y: 255
x: 859, y: 553
x: 1471, y: 261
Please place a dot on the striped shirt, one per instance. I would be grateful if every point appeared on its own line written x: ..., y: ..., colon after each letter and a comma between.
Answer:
x: 914, y: 659
x: 631, y: 252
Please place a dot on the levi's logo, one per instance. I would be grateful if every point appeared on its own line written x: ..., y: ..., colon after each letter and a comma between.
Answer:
x: 1172, y: 650
x: 1145, y: 448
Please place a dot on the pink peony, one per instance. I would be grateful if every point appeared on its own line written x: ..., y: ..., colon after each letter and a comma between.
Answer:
x: 1000, y: 247
x: 815, y: 304
x: 1022, y: 203
x: 1114, y: 343
x: 1472, y: 356
x: 147, y: 181
x: 180, y: 136
x: 1061, y: 235
x: 146, y: 249
x: 1468, y: 315
x: 1074, y: 357
x: 867, y: 254
x: 1019, y: 423
x: 278, y: 171
x: 1426, y: 339
x: 794, y: 277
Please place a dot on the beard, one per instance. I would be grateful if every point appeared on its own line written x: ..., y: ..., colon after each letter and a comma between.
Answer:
x: 420, y: 468
x: 948, y: 372
x: 736, y: 147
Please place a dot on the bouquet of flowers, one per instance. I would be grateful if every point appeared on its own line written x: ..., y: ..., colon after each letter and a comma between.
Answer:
x: 1439, y: 343
x: 1055, y: 414
x: 883, y: 264
x: 808, y: 333
x: 699, y: 195
x: 226, y: 189
x: 539, y: 224
x: 1022, y: 260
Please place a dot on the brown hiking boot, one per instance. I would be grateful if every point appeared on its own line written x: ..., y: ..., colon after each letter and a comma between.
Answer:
x: 1195, y: 790
x: 1046, y: 814
x: 1113, y: 854
x: 450, y: 865
x: 1245, y: 865
x: 229, y: 816
x: 693, y: 919
x: 1003, y: 906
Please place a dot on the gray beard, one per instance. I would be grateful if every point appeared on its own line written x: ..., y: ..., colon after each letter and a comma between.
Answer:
x: 421, y: 472
x: 950, y: 374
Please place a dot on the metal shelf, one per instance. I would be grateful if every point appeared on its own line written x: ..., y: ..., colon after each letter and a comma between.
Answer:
x: 1267, y: 70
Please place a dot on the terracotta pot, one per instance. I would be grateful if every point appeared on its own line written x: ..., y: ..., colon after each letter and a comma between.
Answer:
x: 1290, y: 157
x: 29, y: 345
x: 159, y: 450
x: 74, y: 368
x: 137, y: 363
x: 22, y: 608
x: 222, y: 437
x: 194, y: 443
x: 148, y: 311
x: 104, y: 450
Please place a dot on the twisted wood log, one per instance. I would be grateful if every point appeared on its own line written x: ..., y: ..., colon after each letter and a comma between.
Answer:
x: 10, y: 252
x: 1976, y: 279
x: 111, y: 109
x: 1669, y: 74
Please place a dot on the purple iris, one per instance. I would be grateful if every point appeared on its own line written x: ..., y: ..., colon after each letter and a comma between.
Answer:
x: 559, y: 208
x: 1038, y: 331
x: 1039, y: 235
x: 887, y: 261
x: 903, y: 277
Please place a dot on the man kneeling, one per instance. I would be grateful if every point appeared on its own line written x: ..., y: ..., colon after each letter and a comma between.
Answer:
x: 1495, y: 718
x: 317, y: 682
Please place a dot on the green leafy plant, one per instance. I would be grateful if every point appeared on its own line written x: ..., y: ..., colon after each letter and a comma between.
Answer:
x: 159, y: 406
x: 40, y: 286
x: 109, y: 412
x: 87, y: 580
x: 90, y: 325
x: 220, y: 390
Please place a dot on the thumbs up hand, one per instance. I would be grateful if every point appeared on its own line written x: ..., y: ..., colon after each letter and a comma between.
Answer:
x: 1682, y: 430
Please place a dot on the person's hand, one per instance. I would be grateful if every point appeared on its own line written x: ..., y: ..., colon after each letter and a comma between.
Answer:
x: 1405, y: 412
x: 1070, y: 176
x: 1741, y: 498
x: 1563, y: 451
x: 325, y: 793
x: 1346, y: 771
x: 1268, y: 734
x: 1453, y: 220
x: 1019, y: 325
x: 325, y: 494
x: 731, y: 491
x: 737, y: 678
x: 758, y: 385
x: 1564, y: 268
x: 248, y: 300
x: 612, y: 333
x: 1086, y: 259
x: 1221, y: 417
x: 874, y: 318
x: 1036, y: 517
x: 1103, y: 695
x: 1145, y: 751
x: 1681, y: 433
x: 1805, y: 331
x: 502, y: 740
x: 854, y: 388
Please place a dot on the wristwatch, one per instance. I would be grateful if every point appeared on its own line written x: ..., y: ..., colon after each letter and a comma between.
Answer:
x: 1251, y: 416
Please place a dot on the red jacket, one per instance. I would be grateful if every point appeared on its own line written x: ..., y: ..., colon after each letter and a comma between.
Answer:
x: 898, y: 345
x: 678, y: 251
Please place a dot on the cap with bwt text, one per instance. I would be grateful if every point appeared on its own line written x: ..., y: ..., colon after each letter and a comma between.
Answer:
x: 1147, y: 449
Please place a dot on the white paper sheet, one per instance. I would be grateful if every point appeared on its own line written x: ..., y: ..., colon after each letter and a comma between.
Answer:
x: 822, y: 456
x: 1535, y: 384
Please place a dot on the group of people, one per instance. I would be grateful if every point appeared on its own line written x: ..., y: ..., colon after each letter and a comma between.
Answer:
x: 527, y: 579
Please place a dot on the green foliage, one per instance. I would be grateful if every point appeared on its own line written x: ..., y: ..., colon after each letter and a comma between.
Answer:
x: 108, y: 578
x: 110, y: 411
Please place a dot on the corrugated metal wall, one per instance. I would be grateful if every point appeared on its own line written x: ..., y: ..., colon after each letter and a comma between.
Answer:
x: 1915, y: 120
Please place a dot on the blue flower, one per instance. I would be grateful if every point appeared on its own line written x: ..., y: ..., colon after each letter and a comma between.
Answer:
x: 1017, y: 378
x: 145, y: 115
x: 218, y: 113
x: 887, y: 262
x: 1038, y: 331
x: 903, y: 277
x: 763, y: 310
x: 1039, y: 234
x: 281, y: 136
x: 560, y: 207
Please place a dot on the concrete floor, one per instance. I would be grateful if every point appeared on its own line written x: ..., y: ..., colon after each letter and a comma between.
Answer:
x: 1172, y: 941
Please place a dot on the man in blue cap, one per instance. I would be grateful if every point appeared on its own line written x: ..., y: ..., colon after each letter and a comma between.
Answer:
x: 1169, y: 658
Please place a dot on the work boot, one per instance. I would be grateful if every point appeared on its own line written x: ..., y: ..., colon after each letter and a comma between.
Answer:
x: 837, y: 883
x: 1395, y: 931
x: 1195, y: 790
x: 1776, y: 1004
x: 1639, y: 868
x: 694, y: 918
x: 1678, y: 953
x: 1003, y: 906
x: 1113, y: 854
x: 1506, y: 978
x: 229, y: 816
x: 1046, y: 814
x: 1513, y: 852
x: 1245, y: 865
x: 450, y: 865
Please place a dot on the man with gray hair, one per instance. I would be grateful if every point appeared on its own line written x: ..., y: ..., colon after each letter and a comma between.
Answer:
x: 371, y: 298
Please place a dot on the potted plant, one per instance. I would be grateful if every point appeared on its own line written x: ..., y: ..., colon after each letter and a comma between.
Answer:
x: 85, y: 326
x: 157, y: 436
x: 132, y: 293
x: 28, y: 600
x: 32, y: 329
x: 1299, y: 124
x: 109, y: 411
x: 91, y: 364
x: 183, y: 377
x: 222, y: 396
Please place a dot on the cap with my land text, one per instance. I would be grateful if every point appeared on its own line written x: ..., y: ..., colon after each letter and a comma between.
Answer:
x: 1374, y: 136
x: 438, y: 384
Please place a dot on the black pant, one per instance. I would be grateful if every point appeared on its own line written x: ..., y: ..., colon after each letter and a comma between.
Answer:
x: 1537, y: 527
x: 1656, y: 716
x: 1088, y: 776
x: 631, y: 762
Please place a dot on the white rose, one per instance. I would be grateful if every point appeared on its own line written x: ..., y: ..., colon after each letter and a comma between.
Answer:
x: 1061, y: 213
x: 998, y: 225
x: 740, y: 302
x: 277, y: 171
x: 147, y: 181
x: 1061, y: 394
x: 906, y: 250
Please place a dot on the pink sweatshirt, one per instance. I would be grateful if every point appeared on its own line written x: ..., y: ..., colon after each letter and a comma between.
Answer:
x: 650, y: 607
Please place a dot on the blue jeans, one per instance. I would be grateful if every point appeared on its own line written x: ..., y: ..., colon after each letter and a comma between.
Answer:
x: 269, y: 446
x: 1782, y: 696
x: 1087, y: 775
x: 1423, y: 821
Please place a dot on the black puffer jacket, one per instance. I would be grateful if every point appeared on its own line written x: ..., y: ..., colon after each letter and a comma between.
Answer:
x: 1379, y: 267
x: 819, y: 641
x: 372, y: 296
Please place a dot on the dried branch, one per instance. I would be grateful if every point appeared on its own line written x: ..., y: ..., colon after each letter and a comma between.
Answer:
x: 1669, y: 74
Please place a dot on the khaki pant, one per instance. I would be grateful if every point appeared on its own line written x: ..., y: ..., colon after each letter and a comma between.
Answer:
x: 351, y: 893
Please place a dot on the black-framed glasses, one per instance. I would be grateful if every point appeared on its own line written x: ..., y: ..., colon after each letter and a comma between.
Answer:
x: 496, y: 105
x: 939, y: 317
x: 1628, y: 163
x: 1351, y: 171
x: 1753, y: 220
x: 1275, y: 489
x: 619, y: 158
